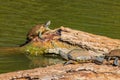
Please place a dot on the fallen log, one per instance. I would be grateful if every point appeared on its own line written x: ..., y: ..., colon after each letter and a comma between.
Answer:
x: 89, y: 41
x: 87, y: 71
x: 79, y: 39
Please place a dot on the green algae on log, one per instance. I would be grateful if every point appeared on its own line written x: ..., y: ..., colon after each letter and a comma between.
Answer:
x: 44, y: 47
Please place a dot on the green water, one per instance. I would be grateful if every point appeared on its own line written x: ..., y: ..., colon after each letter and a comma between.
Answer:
x: 18, y: 16
x: 14, y: 61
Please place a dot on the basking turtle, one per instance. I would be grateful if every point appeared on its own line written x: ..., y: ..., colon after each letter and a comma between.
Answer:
x: 37, y: 31
x: 81, y: 56
x: 113, y: 54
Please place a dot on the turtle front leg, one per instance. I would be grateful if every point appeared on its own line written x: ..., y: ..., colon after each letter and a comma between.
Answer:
x: 116, y: 62
x: 108, y: 59
x: 63, y: 55
x: 40, y: 35
x: 99, y: 60
x: 70, y: 62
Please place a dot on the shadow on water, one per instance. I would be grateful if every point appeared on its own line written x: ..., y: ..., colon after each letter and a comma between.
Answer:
x: 13, y: 61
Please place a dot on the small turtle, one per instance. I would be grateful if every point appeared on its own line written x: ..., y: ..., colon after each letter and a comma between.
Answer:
x: 37, y: 31
x: 113, y: 54
x: 80, y: 56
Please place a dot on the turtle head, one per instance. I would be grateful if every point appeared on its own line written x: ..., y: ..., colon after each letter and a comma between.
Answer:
x: 44, y: 27
x: 47, y: 24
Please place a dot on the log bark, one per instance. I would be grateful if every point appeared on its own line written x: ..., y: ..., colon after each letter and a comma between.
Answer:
x: 87, y: 71
x: 89, y: 41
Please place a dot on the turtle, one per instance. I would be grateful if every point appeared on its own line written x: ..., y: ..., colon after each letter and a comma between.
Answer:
x: 113, y: 54
x: 80, y: 56
x: 38, y: 30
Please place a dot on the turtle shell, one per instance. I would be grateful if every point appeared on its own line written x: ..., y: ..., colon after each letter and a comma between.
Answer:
x: 79, y: 55
x: 114, y: 53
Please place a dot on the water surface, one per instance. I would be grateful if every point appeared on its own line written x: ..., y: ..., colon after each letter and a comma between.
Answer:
x: 10, y: 61
x: 18, y: 16
x: 14, y: 61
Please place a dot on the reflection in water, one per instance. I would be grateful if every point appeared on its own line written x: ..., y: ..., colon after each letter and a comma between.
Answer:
x: 13, y: 61
x: 44, y: 60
